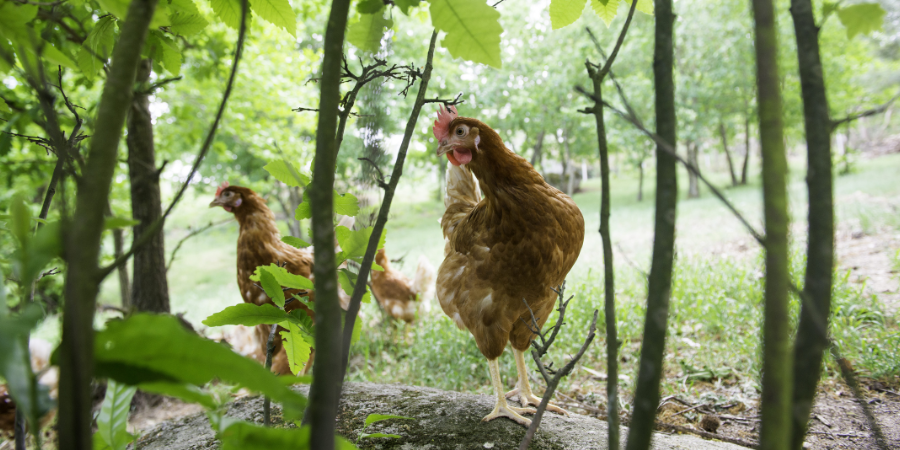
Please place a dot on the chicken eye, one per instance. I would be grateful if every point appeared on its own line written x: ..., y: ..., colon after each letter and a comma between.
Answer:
x: 227, y: 194
x: 460, y: 131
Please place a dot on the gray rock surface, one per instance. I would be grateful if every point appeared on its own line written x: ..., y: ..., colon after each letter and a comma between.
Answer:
x: 443, y: 420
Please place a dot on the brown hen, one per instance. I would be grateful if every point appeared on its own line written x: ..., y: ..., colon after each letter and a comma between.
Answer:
x: 396, y: 293
x: 513, y: 246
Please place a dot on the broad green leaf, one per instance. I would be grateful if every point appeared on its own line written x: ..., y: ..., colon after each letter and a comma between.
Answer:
x: 5, y: 66
x: 247, y: 314
x: 828, y: 8
x: 4, y: 108
x: 303, y: 211
x: 366, y: 33
x: 346, y: 204
x: 163, y: 346
x: 353, y: 243
x: 113, y: 418
x: 119, y: 8
x: 473, y: 29
x: 186, y: 24
x: 186, y: 392
x: 246, y: 436
x: 375, y: 266
x: 21, y: 221
x: 97, y: 48
x: 111, y: 223
x: 271, y: 286
x: 295, y: 242
x: 306, y: 323
x: 15, y: 366
x: 862, y: 18
x: 372, y: 418
x: 284, y: 277
x: 606, y: 9
x: 378, y: 435
x: 278, y: 13
x: 347, y: 280
x: 186, y: 6
x: 405, y: 5
x: 357, y: 331
x: 229, y: 11
x: 645, y: 6
x: 14, y: 17
x: 565, y: 12
x: 369, y: 6
x: 295, y: 346
x: 163, y: 50
x: 286, y: 173
x: 43, y: 247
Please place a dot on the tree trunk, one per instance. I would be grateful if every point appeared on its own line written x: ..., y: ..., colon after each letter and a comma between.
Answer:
x: 538, y: 147
x: 812, y: 332
x: 83, y: 233
x: 640, y: 166
x: 693, y: 181
x: 150, y: 291
x: 124, y: 282
x: 323, y: 394
x: 724, y: 136
x: 646, y: 399
x: 775, y: 430
x: 609, y: 290
x: 747, y: 149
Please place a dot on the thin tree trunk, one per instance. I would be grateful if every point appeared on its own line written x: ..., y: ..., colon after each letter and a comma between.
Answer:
x: 609, y: 290
x: 812, y: 332
x: 646, y: 399
x: 640, y: 196
x: 538, y: 147
x: 693, y: 181
x: 82, y: 234
x: 150, y: 291
x: 747, y: 149
x: 775, y: 431
x: 124, y: 282
x: 323, y: 394
x: 724, y: 135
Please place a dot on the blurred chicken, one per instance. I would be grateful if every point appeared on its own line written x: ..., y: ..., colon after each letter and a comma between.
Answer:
x: 505, y: 253
x: 259, y: 244
x: 48, y: 376
x: 399, y: 296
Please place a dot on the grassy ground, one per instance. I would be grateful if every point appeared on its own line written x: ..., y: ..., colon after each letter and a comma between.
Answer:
x: 714, y: 327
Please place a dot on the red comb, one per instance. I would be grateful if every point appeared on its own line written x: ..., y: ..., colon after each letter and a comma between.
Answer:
x: 221, y: 187
x: 441, y: 127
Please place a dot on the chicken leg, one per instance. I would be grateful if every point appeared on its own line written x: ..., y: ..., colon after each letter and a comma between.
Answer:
x: 523, y: 389
x: 501, y: 408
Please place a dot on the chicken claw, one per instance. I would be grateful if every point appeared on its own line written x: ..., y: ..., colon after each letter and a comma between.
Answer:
x: 531, y: 399
x: 510, y: 413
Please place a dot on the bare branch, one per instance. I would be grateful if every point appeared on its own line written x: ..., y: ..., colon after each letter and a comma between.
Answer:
x: 871, y: 112
x: 446, y: 102
x: 381, y: 183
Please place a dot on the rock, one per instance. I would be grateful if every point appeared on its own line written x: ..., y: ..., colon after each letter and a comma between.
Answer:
x: 443, y: 420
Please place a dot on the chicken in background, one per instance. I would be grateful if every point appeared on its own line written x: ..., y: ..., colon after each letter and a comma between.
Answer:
x: 47, y: 375
x: 504, y: 254
x: 399, y: 296
x: 259, y: 244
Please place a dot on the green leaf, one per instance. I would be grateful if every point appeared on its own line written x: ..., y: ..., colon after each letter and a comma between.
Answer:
x: 346, y: 204
x: 565, y: 12
x: 306, y: 323
x: 186, y: 6
x: 113, y: 418
x: 229, y: 11
x: 284, y: 277
x: 14, y: 17
x: 606, y: 9
x: 246, y: 436
x: 163, y: 346
x: 286, y: 173
x: 645, y: 6
x: 357, y: 331
x: 295, y: 242
x: 372, y: 418
x: 369, y: 6
x: 862, y: 18
x: 473, y: 29
x: 162, y: 50
x: 366, y: 33
x: 97, y: 48
x: 278, y: 13
x: 46, y: 245
x: 247, y: 314
x: 186, y: 24
x: 375, y: 266
x: 303, y: 211
x: 111, y: 223
x: 828, y: 8
x: 186, y: 392
x: 378, y: 435
x: 353, y: 243
x: 296, y: 347
x: 4, y: 108
x: 405, y: 5
x: 15, y: 366
x: 119, y: 8
x: 271, y: 286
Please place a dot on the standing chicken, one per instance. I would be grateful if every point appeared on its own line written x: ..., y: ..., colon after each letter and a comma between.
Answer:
x: 395, y: 293
x: 259, y: 244
x: 514, y: 246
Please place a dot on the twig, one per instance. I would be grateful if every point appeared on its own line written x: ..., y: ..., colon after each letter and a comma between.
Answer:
x: 142, y: 240
x: 270, y: 348
x: 621, y: 39
x: 630, y: 262
x: 546, y: 342
x: 871, y: 112
x: 381, y: 183
x: 551, y: 386
x: 455, y: 101
x: 190, y: 235
x: 153, y: 87
x: 581, y: 404
x: 688, y: 409
x: 706, y: 434
x: 850, y: 377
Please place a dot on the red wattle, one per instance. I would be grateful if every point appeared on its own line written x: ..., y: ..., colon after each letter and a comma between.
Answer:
x: 451, y: 158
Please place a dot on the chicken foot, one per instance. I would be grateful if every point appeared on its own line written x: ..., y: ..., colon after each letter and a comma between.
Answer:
x: 502, y: 408
x: 523, y: 389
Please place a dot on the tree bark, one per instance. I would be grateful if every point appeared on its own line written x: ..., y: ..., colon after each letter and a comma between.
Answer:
x: 609, y: 290
x: 82, y: 234
x: 150, y: 290
x: 747, y: 149
x: 724, y: 135
x: 693, y: 181
x: 124, y: 282
x: 775, y: 432
x: 568, y: 177
x: 812, y: 332
x: 646, y: 398
x: 640, y: 196
x: 323, y: 394
x: 538, y: 147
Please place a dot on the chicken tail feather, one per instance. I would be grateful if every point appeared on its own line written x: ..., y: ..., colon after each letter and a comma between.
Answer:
x: 423, y: 282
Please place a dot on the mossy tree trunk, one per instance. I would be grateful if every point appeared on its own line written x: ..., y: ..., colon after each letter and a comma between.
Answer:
x: 723, y: 134
x: 775, y: 429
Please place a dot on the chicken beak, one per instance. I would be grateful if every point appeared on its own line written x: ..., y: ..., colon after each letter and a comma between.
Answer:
x: 444, y: 147
x: 215, y: 203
